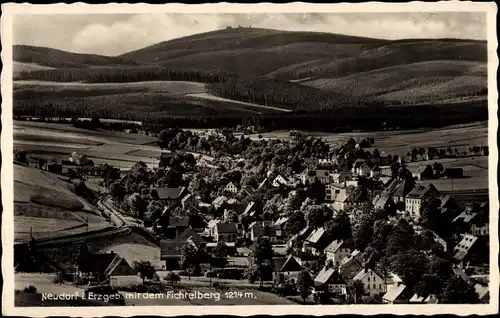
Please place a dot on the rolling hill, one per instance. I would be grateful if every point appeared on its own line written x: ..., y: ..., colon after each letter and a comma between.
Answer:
x: 53, y: 58
x: 298, y: 71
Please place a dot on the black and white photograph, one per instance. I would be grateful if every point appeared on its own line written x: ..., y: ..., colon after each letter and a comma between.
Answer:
x: 208, y: 156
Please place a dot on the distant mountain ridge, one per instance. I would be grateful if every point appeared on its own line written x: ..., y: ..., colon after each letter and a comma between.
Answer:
x: 328, y: 70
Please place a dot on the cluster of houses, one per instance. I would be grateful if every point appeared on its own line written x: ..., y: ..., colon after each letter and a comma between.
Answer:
x: 63, y: 167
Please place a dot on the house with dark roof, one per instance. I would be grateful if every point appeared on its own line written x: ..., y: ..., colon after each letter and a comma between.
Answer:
x: 286, y: 269
x: 171, y: 253
x: 351, y: 266
x: 191, y: 234
x: 317, y: 241
x: 449, y: 207
x: 357, y: 164
x: 176, y: 225
x: 337, y: 250
x: 227, y: 232
x: 384, y: 202
x: 423, y: 173
x: 330, y: 279
x: 418, y: 195
x: 171, y: 196
x: 397, y: 190
x: 101, y: 267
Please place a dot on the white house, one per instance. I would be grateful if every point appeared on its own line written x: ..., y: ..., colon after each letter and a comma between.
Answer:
x: 417, y: 196
x: 374, y: 284
x: 230, y: 187
x: 337, y: 250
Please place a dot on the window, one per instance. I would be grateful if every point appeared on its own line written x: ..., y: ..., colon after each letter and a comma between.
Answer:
x: 374, y: 286
x: 368, y: 278
x: 380, y: 286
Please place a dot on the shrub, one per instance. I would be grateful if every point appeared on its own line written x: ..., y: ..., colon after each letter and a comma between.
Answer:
x: 30, y: 289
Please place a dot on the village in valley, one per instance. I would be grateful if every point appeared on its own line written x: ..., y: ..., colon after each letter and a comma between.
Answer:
x: 261, y: 221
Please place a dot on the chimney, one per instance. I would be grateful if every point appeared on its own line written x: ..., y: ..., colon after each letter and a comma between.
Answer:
x: 112, y: 252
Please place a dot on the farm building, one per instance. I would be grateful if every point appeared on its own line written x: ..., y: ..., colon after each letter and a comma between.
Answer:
x: 394, y: 294
x: 317, y: 241
x: 340, y: 177
x: 453, y: 173
x: 423, y: 173
x: 136, y: 252
x: 100, y: 267
x: 171, y: 253
x: 286, y: 269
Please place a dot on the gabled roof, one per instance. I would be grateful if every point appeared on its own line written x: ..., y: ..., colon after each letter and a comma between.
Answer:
x: 462, y: 248
x: 334, y: 246
x: 382, y: 201
x: 178, y: 221
x: 417, y: 299
x: 263, y: 183
x: 114, y: 264
x: 287, y: 264
x: 358, y: 163
x: 249, y: 207
x: 421, y: 190
x: 259, y: 231
x: 187, y: 197
x: 316, y: 235
x: 403, y: 189
x: 189, y: 233
x: 170, y: 193
x: 465, y: 216
x: 393, y: 292
x: 226, y: 227
x: 239, y: 208
x: 219, y: 200
x: 171, y: 248
x: 482, y: 291
x: 362, y: 273
x: 282, y: 220
x: 97, y: 263
x: 421, y: 169
x: 328, y: 275
x: 230, y: 184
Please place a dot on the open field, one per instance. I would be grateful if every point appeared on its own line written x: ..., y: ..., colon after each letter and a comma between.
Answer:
x: 401, y: 141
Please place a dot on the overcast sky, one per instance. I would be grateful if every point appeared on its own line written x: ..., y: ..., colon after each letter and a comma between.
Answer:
x: 120, y: 33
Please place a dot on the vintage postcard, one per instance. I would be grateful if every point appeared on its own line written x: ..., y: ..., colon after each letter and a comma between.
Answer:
x: 249, y: 159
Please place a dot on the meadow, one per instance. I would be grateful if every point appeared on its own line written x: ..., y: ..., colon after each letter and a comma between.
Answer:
x: 45, y: 205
